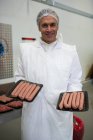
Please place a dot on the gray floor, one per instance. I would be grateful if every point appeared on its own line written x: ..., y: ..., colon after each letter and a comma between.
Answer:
x: 11, y: 130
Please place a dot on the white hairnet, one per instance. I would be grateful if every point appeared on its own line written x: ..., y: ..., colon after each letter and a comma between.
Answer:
x: 47, y: 12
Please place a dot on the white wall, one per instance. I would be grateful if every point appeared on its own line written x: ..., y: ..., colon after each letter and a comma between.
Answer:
x: 83, y: 5
x: 76, y: 29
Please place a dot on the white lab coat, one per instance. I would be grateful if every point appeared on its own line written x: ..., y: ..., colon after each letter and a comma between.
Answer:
x: 59, y: 70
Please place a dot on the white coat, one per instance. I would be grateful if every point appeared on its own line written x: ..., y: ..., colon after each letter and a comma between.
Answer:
x: 59, y: 70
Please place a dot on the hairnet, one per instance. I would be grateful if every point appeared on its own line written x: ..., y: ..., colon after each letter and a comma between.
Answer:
x: 47, y: 12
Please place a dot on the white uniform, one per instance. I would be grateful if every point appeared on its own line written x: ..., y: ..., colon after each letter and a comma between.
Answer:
x: 57, y: 67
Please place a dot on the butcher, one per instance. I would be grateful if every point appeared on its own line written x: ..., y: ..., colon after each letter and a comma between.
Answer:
x: 51, y: 62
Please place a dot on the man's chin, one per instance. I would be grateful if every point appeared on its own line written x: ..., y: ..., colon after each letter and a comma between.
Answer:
x: 49, y: 41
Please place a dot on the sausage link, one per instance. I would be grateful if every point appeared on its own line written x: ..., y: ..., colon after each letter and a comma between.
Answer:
x: 22, y: 92
x: 65, y: 102
x: 15, y: 91
x: 81, y: 105
x: 78, y: 99
x: 32, y: 95
x: 20, y: 89
x: 70, y: 100
x: 74, y: 100
x: 26, y: 91
x: 62, y: 100
x: 30, y: 91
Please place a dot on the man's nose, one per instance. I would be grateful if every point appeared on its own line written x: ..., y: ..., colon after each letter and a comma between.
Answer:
x: 49, y: 28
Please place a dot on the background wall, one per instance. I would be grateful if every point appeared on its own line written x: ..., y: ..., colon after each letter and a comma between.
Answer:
x: 83, y: 5
x: 76, y: 29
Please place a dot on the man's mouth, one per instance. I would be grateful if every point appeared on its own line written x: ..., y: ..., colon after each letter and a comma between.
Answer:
x: 49, y: 34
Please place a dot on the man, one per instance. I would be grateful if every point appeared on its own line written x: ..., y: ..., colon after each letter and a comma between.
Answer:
x: 56, y: 65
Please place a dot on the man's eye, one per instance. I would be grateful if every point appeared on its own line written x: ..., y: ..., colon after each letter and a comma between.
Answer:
x: 44, y: 26
x: 49, y: 25
x: 53, y: 24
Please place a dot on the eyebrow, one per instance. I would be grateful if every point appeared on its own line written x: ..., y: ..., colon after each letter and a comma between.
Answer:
x: 51, y: 24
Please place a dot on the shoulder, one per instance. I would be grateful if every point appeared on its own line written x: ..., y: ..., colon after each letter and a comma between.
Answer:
x: 28, y: 49
x: 69, y: 50
x: 68, y: 47
x: 27, y: 46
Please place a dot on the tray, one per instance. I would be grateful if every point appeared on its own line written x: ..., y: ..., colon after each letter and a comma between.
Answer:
x: 85, y: 107
x: 23, y: 87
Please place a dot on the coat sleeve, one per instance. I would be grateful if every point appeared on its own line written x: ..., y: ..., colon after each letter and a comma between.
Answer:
x: 19, y: 73
x: 74, y: 83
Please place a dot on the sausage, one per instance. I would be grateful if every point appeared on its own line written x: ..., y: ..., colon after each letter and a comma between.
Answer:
x: 26, y: 91
x: 74, y: 100
x: 20, y: 89
x: 78, y: 99
x: 81, y: 101
x: 70, y: 100
x: 22, y: 92
x: 15, y: 91
x: 62, y: 100
x: 30, y: 91
x: 32, y: 95
x: 65, y: 102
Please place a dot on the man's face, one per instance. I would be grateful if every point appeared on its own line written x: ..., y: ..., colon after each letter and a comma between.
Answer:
x: 48, y: 27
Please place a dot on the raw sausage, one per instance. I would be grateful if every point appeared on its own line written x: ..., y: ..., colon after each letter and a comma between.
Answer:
x: 81, y: 101
x: 30, y: 91
x: 15, y: 91
x: 26, y: 91
x: 62, y: 100
x: 65, y: 102
x: 70, y: 100
x: 20, y: 89
x: 32, y: 95
x: 74, y: 100
x: 22, y: 92
x: 78, y: 99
